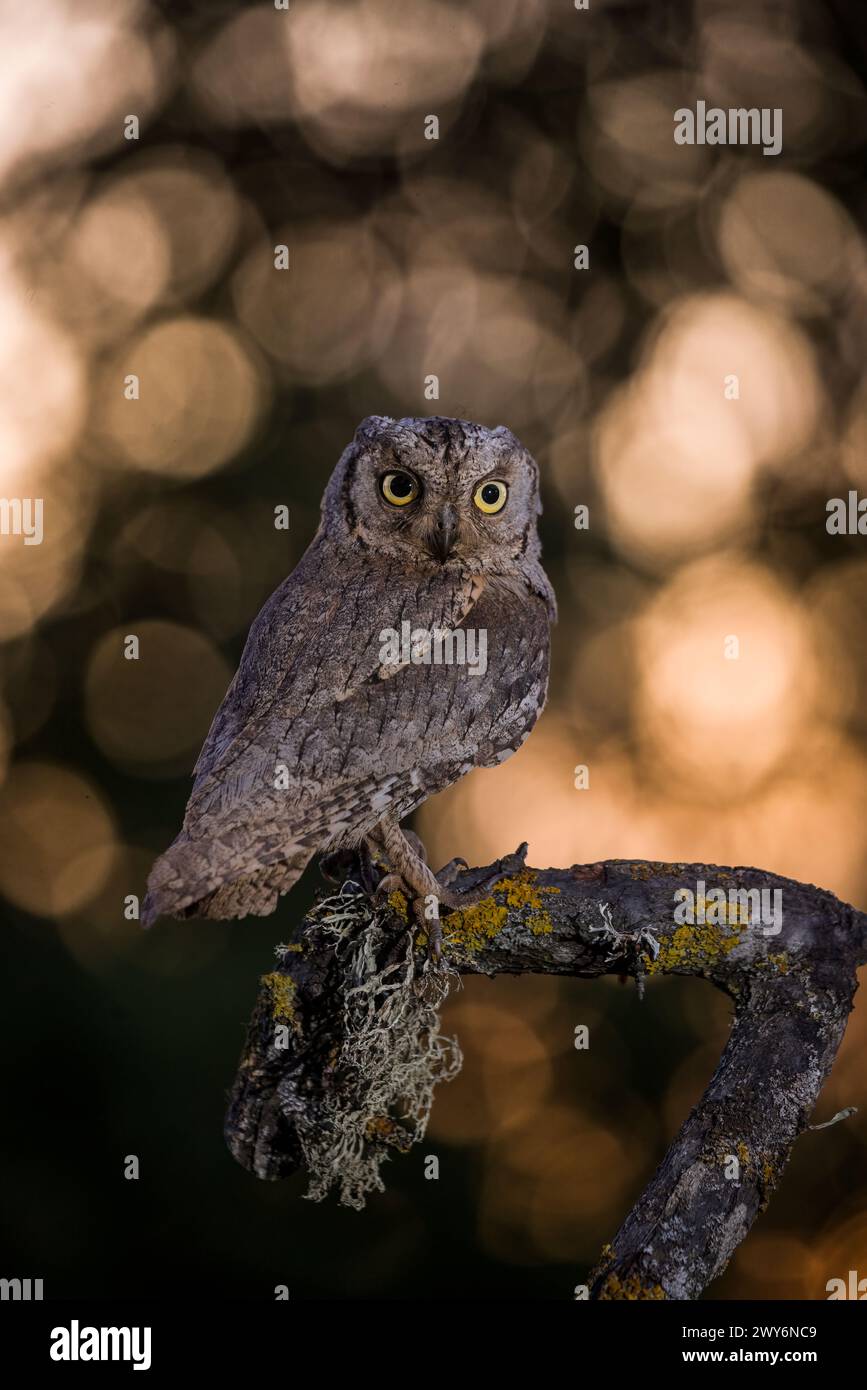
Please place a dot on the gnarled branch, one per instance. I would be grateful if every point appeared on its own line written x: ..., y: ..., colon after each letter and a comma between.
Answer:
x: 343, y: 1050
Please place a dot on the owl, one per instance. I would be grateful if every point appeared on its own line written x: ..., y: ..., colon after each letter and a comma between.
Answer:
x: 409, y: 646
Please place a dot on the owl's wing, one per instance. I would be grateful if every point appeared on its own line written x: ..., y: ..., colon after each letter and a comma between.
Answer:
x: 296, y: 749
x: 392, y: 743
x: 281, y: 657
x: 317, y: 641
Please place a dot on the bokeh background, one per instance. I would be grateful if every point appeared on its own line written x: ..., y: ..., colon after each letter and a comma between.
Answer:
x: 411, y: 257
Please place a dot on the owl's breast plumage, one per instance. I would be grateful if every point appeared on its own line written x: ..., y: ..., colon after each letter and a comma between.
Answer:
x: 321, y: 736
x: 437, y: 718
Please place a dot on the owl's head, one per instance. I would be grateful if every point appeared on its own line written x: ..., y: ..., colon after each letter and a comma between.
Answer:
x: 435, y: 492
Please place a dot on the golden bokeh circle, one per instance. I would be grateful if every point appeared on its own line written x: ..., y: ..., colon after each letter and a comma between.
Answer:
x: 59, y: 839
x: 151, y: 714
x: 200, y: 394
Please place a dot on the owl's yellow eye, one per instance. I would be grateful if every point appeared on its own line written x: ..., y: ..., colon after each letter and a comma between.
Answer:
x: 491, y: 497
x: 399, y: 488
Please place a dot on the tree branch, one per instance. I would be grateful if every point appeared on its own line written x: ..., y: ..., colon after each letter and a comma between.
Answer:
x: 343, y: 1050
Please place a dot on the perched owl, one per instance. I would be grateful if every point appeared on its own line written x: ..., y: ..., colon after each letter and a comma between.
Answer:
x: 409, y: 646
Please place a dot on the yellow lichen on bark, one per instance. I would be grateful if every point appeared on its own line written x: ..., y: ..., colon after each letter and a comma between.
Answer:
x: 630, y: 1288
x: 691, y: 948
x: 643, y: 872
x: 398, y: 904
x: 281, y: 989
x: 475, y: 926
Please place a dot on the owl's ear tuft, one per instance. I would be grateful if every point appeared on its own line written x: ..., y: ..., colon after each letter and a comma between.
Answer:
x: 371, y: 427
x: 338, y: 512
x: 503, y: 432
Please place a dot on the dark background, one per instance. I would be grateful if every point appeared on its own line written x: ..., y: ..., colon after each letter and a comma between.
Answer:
x: 409, y: 257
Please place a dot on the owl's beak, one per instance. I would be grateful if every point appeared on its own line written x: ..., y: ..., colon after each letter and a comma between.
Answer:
x: 442, y: 538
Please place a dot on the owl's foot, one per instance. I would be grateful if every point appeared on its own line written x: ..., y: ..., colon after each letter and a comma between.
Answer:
x: 424, y: 904
x: 428, y: 892
x: 453, y: 900
x: 504, y: 868
x: 449, y: 872
x: 388, y: 884
x: 411, y: 875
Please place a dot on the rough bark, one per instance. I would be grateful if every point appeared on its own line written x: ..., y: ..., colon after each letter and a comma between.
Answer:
x: 792, y: 994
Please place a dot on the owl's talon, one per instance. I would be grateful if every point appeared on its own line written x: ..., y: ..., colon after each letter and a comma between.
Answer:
x: 449, y: 872
x: 430, y: 925
x: 388, y: 884
x: 510, y: 864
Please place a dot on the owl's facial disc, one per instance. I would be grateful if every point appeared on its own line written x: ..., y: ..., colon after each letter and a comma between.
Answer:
x: 439, y: 525
x: 438, y: 492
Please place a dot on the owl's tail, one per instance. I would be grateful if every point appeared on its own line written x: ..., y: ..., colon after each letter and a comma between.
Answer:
x: 204, y: 878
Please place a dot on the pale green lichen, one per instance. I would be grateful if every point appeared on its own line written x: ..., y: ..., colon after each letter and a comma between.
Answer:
x: 389, y: 1060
